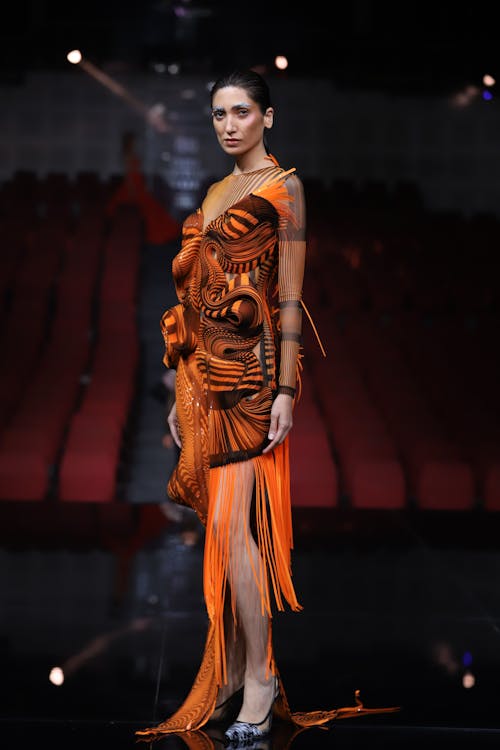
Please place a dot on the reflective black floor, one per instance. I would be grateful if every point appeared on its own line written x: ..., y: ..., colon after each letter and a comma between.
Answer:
x: 404, y: 607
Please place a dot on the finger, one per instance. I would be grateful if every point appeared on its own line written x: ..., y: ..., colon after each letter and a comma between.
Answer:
x: 277, y: 440
x: 272, y: 433
x: 273, y: 427
x: 281, y: 434
x: 271, y: 445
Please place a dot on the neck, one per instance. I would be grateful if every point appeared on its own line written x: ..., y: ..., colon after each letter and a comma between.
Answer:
x: 252, y: 162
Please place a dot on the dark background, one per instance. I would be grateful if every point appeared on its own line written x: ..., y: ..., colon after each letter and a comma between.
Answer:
x: 399, y: 602
x: 403, y: 48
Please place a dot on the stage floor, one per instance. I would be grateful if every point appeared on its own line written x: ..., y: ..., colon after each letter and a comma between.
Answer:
x: 403, y: 607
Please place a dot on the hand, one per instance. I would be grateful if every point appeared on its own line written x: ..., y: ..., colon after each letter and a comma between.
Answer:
x: 281, y: 420
x: 174, y: 425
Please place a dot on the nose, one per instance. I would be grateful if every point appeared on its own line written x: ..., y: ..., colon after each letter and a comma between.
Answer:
x: 230, y: 124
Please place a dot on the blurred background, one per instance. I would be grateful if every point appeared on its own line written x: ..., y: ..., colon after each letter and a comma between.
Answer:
x: 390, y: 113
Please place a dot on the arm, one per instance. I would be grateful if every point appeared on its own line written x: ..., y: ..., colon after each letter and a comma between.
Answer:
x: 292, y: 250
x: 173, y: 425
x: 172, y: 434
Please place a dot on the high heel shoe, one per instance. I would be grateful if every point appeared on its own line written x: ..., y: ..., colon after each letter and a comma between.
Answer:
x: 247, y: 733
x: 229, y: 708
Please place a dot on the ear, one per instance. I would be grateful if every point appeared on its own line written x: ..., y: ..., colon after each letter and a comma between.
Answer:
x: 269, y: 117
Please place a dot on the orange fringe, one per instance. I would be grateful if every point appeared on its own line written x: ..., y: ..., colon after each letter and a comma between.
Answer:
x: 323, y: 351
x: 273, y: 159
x: 275, y: 191
x: 274, y: 540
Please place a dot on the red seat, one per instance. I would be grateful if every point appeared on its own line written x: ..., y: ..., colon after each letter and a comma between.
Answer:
x: 88, y: 474
x: 87, y: 471
x: 443, y: 484
x: 313, y: 471
x: 377, y: 483
x: 491, y: 487
x: 24, y: 474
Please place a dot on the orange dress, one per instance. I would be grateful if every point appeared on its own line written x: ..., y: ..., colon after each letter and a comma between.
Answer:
x: 234, y: 340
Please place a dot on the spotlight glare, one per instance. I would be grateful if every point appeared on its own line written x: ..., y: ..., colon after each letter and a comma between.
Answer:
x: 468, y: 680
x: 471, y: 91
x: 281, y: 62
x: 488, y: 80
x: 159, y: 67
x: 487, y: 96
x: 75, y: 56
x: 56, y: 676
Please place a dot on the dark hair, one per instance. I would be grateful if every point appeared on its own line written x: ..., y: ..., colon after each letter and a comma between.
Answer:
x: 253, y: 83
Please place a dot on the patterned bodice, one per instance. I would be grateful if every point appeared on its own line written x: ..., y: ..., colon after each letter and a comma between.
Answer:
x: 238, y: 277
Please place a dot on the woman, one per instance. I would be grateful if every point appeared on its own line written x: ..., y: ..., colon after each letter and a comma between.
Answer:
x: 234, y: 339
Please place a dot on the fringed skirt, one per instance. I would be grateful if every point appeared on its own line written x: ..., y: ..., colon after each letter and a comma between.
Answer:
x: 249, y: 497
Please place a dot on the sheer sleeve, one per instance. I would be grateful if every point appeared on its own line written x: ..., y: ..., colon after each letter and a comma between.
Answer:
x: 292, y: 250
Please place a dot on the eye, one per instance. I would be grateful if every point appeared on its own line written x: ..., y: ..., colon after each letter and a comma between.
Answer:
x: 243, y: 112
x: 217, y: 114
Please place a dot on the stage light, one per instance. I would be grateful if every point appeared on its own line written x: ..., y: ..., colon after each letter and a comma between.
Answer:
x: 159, y: 67
x: 487, y: 96
x: 75, y: 56
x: 281, y: 62
x: 56, y: 676
x: 468, y: 680
x: 153, y: 115
x: 488, y: 80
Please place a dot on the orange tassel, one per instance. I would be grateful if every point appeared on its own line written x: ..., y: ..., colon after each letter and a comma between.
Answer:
x: 273, y: 159
x: 274, y: 191
x: 314, y: 328
x: 274, y: 540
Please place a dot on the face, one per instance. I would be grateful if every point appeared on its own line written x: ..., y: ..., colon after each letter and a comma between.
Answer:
x: 238, y: 121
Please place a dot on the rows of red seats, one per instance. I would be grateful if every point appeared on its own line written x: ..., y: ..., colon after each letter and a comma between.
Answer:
x: 69, y: 339
x: 313, y: 468
x: 88, y: 469
x: 408, y: 313
x: 369, y: 469
x: 402, y: 412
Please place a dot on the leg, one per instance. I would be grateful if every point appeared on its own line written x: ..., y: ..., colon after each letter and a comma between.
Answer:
x: 235, y: 655
x: 247, y: 578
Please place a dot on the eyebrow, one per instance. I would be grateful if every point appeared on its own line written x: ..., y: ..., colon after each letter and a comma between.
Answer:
x: 241, y: 105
